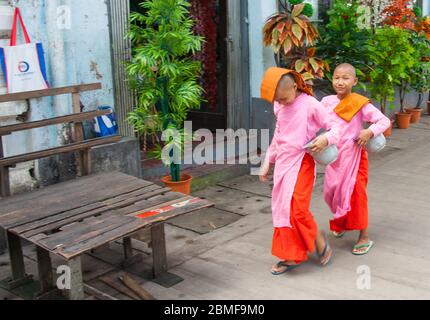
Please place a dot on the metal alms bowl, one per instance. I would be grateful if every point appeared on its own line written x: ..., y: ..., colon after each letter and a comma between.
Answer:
x: 325, y: 157
x: 377, y: 144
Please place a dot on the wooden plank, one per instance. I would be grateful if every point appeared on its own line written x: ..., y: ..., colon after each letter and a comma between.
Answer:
x: 4, y: 175
x: 68, y: 202
x: 4, y: 182
x: 159, y: 253
x: 76, y: 280
x: 63, y: 219
x: 97, y: 293
x: 3, y: 242
x: 10, y: 161
x: 11, y: 97
x: 132, y: 195
x: 6, y: 130
x: 44, y: 264
x: 22, y: 220
x: 127, y: 230
x: 81, y: 232
x: 8, y: 204
x: 128, y: 248
x: 119, y: 287
x: 55, y: 222
x: 136, y: 288
x: 85, y: 157
x: 16, y: 257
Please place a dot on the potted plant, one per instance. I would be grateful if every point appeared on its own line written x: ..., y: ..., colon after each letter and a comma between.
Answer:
x: 422, y: 27
x: 420, y: 73
x: 390, y: 70
x: 165, y: 77
x: 292, y: 37
x: 344, y: 38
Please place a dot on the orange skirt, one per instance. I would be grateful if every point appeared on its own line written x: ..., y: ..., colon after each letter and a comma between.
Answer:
x: 293, y: 244
x: 358, y: 217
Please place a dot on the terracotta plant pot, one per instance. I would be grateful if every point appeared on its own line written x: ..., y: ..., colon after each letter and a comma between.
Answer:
x: 389, y: 132
x: 415, y: 114
x: 428, y: 108
x: 183, y: 186
x: 403, y: 120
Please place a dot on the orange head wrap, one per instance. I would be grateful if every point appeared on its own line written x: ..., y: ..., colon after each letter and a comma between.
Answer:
x: 271, y: 81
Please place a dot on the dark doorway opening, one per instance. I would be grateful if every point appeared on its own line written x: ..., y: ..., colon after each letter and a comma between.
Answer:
x: 211, y: 22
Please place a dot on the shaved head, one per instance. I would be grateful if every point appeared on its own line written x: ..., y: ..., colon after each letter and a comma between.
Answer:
x: 344, y: 80
x: 286, y: 92
x: 348, y: 68
x: 287, y: 80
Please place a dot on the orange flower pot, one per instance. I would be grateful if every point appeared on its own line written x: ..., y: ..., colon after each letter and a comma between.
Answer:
x: 403, y: 120
x: 389, y: 131
x: 415, y: 114
x: 183, y: 186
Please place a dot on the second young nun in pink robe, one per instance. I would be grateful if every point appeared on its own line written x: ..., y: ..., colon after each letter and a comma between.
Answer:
x: 345, y: 186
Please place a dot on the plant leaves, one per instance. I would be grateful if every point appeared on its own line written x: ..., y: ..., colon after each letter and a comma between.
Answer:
x: 297, y: 31
x: 314, y: 64
x: 300, y: 65
x: 298, y: 9
x: 288, y: 46
x: 308, y: 76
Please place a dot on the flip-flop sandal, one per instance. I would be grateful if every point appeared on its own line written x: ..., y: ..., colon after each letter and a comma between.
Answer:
x: 338, y: 235
x: 288, y: 268
x: 324, y: 253
x: 357, y: 249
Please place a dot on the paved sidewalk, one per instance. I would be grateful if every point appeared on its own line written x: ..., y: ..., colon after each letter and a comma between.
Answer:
x: 224, y: 252
x: 234, y: 262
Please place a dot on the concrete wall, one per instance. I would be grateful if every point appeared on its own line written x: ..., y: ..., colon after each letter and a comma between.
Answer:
x: 76, y: 39
x: 261, y: 58
x: 426, y: 7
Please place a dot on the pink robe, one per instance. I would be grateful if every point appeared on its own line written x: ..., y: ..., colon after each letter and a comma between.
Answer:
x: 341, y: 176
x: 296, y: 125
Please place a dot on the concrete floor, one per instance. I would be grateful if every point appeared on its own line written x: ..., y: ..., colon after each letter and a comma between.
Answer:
x: 224, y: 253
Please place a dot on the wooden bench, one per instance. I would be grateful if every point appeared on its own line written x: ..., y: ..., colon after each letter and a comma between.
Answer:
x: 75, y: 217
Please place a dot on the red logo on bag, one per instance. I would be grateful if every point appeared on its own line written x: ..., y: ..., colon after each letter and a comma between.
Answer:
x: 23, y: 67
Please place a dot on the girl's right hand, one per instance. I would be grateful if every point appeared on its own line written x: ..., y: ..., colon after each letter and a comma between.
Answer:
x: 264, y: 171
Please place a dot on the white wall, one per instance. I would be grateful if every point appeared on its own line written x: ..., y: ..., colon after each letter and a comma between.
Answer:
x: 426, y: 7
x: 261, y: 58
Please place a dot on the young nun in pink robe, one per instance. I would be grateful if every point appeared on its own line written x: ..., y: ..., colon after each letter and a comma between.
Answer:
x: 346, y: 179
x: 299, y: 118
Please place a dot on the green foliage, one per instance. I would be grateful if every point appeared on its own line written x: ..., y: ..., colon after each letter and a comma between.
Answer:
x: 162, y: 71
x: 418, y: 12
x: 420, y: 72
x: 308, y: 10
x: 392, y: 56
x: 294, y: 2
x: 342, y: 39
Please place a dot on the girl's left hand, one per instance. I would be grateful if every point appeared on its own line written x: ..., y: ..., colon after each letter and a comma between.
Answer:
x: 319, y: 144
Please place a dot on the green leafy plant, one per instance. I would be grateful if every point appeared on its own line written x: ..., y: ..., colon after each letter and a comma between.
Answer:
x: 343, y: 40
x: 391, y: 55
x: 420, y: 72
x: 163, y: 73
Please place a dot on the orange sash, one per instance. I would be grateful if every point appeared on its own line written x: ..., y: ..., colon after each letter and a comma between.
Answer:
x: 350, y: 106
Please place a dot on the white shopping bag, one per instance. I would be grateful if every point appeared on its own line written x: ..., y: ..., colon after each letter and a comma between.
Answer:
x: 23, y: 65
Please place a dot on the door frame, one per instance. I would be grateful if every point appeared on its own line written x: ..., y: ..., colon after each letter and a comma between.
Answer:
x: 239, y: 112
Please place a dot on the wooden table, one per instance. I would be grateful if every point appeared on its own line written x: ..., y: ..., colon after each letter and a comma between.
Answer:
x: 75, y: 217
